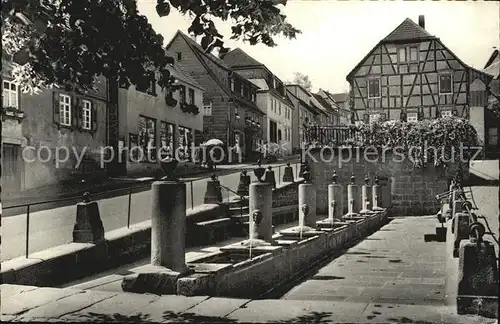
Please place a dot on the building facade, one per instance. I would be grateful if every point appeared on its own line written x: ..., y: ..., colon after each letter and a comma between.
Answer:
x: 51, y: 137
x: 341, y: 102
x: 492, y: 112
x: 230, y: 112
x: 271, y: 98
x: 411, y: 75
x: 154, y: 123
x: 304, y: 115
x: 330, y: 111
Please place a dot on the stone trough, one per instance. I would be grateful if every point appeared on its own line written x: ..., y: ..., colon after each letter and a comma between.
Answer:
x: 235, y: 271
x: 263, y: 262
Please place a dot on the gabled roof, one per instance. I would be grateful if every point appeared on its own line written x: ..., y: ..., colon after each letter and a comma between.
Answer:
x: 261, y: 83
x: 406, y: 31
x: 178, y: 72
x: 199, y: 52
x: 493, y: 69
x: 302, y: 102
x: 238, y: 57
x: 495, y: 57
x: 339, y: 97
x: 323, y: 102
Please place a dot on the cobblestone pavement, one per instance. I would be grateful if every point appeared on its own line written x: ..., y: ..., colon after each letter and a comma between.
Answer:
x: 393, y: 276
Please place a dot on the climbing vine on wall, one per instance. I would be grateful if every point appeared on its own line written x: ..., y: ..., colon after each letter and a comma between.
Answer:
x: 434, y: 141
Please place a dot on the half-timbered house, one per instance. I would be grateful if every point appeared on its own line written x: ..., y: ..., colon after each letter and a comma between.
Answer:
x: 411, y: 75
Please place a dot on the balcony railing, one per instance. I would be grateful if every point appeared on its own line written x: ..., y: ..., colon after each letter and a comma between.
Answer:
x: 334, y: 136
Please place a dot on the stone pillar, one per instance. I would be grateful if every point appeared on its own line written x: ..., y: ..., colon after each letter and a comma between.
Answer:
x: 352, y: 198
x: 168, y: 225
x: 260, y: 225
x: 365, y: 197
x: 307, y: 205
x: 88, y: 226
x: 377, y: 196
x: 288, y: 174
x: 335, y: 200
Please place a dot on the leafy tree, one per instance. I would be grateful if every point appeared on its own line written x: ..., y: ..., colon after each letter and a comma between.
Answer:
x: 302, y: 80
x: 71, y: 42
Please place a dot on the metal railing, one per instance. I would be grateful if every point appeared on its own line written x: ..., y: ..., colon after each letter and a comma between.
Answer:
x: 126, y: 192
x: 335, y: 136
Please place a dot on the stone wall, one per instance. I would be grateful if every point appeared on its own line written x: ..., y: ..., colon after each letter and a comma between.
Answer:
x: 412, y: 190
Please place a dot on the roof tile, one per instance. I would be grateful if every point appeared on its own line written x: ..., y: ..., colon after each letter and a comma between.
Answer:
x: 407, y: 30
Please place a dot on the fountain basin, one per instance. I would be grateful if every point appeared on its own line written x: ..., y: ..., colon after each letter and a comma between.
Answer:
x: 230, y: 272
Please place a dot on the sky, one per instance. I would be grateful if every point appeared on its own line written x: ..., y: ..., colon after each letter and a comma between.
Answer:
x: 336, y: 35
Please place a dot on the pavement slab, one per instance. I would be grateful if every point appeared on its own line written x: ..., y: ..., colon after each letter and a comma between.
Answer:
x: 24, y: 301
x: 218, y: 307
x: 298, y: 311
x: 168, y: 308
x: 72, y: 303
x: 113, y: 309
x: 7, y: 290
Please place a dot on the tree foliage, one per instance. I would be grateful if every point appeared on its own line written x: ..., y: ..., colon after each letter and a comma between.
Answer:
x: 302, y: 80
x: 71, y: 42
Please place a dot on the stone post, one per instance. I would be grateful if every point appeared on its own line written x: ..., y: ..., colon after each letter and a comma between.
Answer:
x: 365, y: 197
x: 213, y: 191
x: 269, y: 176
x: 88, y: 226
x: 335, y: 200
x: 377, y: 195
x: 352, y: 197
x: 168, y: 225
x: 307, y: 205
x: 244, y: 184
x: 288, y: 174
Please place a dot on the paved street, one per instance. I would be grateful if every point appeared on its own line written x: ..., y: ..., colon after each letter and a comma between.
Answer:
x: 54, y: 227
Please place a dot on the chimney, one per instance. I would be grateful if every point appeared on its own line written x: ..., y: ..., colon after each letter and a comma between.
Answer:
x: 421, y: 21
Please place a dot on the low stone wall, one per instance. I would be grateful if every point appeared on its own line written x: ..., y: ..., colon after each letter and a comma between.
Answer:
x: 73, y: 261
x: 412, y: 190
x: 251, y: 278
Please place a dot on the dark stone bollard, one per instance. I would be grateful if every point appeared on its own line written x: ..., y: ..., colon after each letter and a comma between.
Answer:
x: 461, y: 231
x: 303, y: 168
x: 88, y: 227
x: 213, y: 193
x: 269, y: 176
x: 243, y: 186
x: 288, y: 174
x: 477, y: 279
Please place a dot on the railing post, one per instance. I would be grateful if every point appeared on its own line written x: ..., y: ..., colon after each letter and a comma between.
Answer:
x: 27, y: 229
x: 192, y: 196
x: 129, y: 204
